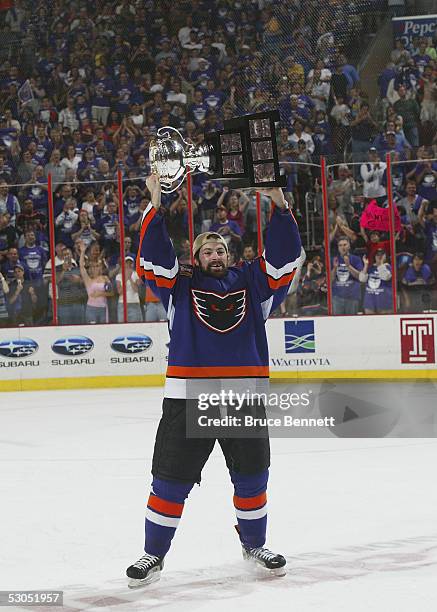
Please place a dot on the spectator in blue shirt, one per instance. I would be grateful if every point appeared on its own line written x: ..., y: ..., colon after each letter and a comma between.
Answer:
x: 9, y: 262
x: 349, y: 71
x: 109, y: 229
x: 124, y: 91
x: 87, y: 169
x: 198, y: 109
x: 83, y: 112
x: 213, y: 98
x: 384, y: 79
x: 378, y: 296
x: 37, y: 190
x: 388, y: 142
x: 65, y: 223
x: 33, y: 257
x: 346, y: 268
x: 425, y: 175
x: 8, y: 203
x: 22, y: 298
x: 380, y: 142
x: 44, y: 145
x: 416, y: 285
x: 230, y: 230
x: 102, y: 89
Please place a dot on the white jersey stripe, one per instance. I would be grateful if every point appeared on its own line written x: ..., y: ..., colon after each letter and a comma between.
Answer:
x: 176, y: 388
x: 276, y: 273
x: 170, y: 312
x: 148, y: 209
x: 266, y: 307
x: 295, y: 282
x: 159, y: 270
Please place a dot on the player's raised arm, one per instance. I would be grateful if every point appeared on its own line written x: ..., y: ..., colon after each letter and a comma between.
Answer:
x: 156, y: 260
x: 283, y: 253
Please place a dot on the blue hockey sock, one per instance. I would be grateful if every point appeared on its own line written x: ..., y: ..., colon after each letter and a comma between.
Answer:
x: 163, y: 513
x: 250, y: 501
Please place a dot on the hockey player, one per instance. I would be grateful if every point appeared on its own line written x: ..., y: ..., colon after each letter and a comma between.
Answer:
x: 216, y: 320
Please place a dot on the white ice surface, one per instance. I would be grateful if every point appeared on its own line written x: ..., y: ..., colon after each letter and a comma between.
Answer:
x: 357, y: 519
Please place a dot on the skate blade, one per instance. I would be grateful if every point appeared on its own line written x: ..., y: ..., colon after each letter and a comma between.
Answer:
x: 154, y: 576
x: 262, y: 570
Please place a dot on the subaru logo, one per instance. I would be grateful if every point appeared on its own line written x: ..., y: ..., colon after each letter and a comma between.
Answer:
x: 18, y: 348
x: 74, y: 345
x: 129, y: 345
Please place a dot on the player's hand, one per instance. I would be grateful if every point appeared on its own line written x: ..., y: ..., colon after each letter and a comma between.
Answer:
x: 154, y: 186
x: 276, y: 194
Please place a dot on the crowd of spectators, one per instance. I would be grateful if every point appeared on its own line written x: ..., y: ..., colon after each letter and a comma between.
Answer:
x: 105, y: 75
x: 404, y: 126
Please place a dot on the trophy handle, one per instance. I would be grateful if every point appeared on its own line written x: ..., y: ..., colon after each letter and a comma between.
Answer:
x: 170, y: 189
x: 166, y: 134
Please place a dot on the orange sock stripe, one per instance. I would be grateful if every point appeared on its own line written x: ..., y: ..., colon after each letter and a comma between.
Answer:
x: 165, y: 507
x: 249, y: 503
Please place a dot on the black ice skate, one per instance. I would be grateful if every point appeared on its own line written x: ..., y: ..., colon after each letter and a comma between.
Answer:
x: 274, y: 563
x: 264, y: 557
x: 144, y: 571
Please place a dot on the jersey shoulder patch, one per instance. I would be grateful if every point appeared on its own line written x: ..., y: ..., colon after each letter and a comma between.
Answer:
x: 186, y: 270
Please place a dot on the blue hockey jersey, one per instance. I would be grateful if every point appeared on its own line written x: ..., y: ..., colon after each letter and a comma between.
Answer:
x: 217, y: 326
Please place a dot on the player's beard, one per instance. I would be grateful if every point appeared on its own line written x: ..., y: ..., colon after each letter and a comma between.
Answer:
x: 218, y: 272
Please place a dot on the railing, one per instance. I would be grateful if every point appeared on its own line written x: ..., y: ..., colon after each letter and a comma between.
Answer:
x: 315, y: 201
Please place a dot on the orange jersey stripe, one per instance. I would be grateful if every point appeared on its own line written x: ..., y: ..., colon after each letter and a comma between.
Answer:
x: 273, y: 282
x: 217, y: 371
x: 165, y: 507
x: 160, y: 281
x: 249, y: 503
x: 281, y: 282
x: 144, y: 227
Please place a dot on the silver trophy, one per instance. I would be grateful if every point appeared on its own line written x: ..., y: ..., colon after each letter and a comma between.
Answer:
x: 244, y: 153
x: 171, y: 156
